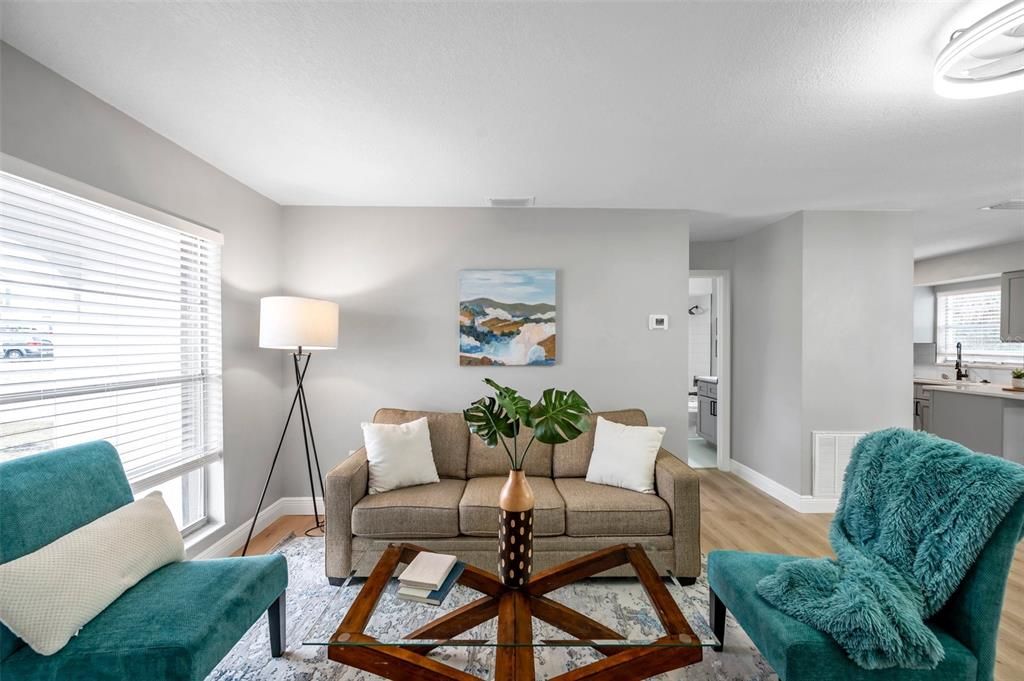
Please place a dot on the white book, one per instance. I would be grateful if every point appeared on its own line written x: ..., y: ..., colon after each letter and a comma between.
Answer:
x: 413, y: 592
x: 427, y: 570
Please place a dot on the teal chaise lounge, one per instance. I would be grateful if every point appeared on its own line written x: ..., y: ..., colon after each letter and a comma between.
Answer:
x: 967, y: 626
x: 176, y: 624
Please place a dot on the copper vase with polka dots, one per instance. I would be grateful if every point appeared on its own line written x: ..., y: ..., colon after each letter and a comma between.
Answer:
x: 515, y: 531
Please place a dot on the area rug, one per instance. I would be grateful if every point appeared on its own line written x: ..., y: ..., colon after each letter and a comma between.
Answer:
x: 315, y: 608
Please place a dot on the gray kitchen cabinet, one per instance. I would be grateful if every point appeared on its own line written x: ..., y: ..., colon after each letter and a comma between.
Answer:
x: 922, y: 407
x: 707, y: 410
x: 924, y: 314
x: 1011, y: 327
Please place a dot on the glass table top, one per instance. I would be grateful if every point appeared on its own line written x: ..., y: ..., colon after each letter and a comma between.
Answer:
x: 603, y: 613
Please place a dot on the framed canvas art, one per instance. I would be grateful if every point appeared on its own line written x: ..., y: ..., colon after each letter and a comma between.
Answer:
x: 507, y: 318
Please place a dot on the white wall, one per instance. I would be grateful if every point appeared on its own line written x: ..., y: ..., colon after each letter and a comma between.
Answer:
x: 766, y: 351
x: 394, y: 273
x: 974, y: 264
x: 858, y: 360
x: 700, y: 363
x: 49, y: 121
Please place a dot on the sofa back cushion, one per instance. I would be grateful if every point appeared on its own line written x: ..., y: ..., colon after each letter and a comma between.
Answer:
x: 572, y: 459
x: 484, y: 460
x: 449, y: 437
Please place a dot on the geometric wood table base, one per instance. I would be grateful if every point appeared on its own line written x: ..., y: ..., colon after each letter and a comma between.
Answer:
x: 514, y: 609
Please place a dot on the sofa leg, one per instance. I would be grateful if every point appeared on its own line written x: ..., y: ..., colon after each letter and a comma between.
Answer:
x: 276, y: 615
x: 716, y: 615
x: 336, y: 581
x: 686, y: 581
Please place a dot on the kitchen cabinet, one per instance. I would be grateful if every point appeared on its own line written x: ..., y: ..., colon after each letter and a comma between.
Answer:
x: 1011, y: 327
x: 922, y: 407
x: 984, y: 418
x: 707, y: 410
x: 924, y: 314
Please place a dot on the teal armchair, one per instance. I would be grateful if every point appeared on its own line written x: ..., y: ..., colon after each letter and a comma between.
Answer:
x: 967, y: 626
x: 174, y: 625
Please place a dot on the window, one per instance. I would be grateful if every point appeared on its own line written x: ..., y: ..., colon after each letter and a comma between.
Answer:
x: 971, y: 317
x: 110, y: 326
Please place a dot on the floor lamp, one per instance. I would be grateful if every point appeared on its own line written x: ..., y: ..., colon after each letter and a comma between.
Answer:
x: 299, y: 325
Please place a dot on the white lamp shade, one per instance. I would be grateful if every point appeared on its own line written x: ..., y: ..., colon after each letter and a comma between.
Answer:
x: 288, y: 322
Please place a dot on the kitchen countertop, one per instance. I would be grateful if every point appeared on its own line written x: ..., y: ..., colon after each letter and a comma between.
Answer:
x: 980, y: 389
x: 933, y: 381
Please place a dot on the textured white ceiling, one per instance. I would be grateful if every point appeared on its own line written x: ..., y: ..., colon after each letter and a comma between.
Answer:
x: 740, y: 111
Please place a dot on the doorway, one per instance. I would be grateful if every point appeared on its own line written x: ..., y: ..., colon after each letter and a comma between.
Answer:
x: 708, y: 370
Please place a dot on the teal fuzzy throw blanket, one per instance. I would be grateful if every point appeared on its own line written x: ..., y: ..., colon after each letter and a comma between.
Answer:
x: 915, y: 513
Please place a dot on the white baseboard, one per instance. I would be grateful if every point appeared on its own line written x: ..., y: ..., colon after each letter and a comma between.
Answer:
x: 804, y: 503
x: 235, y: 539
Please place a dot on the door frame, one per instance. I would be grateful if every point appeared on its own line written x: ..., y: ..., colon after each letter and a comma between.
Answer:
x: 723, y: 309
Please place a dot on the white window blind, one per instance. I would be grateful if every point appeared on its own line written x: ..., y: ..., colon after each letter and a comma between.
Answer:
x: 111, y: 330
x: 971, y: 317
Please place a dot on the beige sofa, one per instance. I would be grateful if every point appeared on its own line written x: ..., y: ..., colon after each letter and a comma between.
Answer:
x: 459, y: 514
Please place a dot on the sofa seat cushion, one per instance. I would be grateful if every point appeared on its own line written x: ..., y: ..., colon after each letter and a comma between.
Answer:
x: 420, y: 511
x: 593, y: 510
x: 175, y: 624
x: 798, y: 652
x: 478, y: 510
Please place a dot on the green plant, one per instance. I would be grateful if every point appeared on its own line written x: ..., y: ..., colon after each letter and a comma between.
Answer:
x: 557, y: 417
x: 1018, y: 373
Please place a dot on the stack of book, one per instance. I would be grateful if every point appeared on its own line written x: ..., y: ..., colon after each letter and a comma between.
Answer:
x: 429, y: 578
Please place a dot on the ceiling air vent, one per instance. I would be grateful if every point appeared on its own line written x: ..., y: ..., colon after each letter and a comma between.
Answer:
x: 524, y: 202
x: 1012, y: 204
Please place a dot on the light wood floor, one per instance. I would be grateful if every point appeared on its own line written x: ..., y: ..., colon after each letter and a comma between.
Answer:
x: 734, y: 515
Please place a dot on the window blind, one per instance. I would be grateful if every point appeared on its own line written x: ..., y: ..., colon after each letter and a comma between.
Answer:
x: 971, y: 317
x: 111, y: 330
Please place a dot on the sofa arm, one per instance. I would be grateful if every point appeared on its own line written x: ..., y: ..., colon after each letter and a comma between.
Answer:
x: 345, y: 485
x: 679, y: 486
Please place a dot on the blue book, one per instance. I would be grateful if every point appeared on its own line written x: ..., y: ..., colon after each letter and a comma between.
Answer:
x: 437, y: 596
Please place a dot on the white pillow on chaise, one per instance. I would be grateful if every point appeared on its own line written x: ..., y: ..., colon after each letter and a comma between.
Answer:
x: 624, y: 455
x: 48, y: 595
x: 399, y: 455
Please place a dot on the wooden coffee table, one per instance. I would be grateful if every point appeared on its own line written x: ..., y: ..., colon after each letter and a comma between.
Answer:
x: 404, y: 657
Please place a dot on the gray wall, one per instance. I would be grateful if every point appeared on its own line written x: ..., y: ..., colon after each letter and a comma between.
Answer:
x: 49, y: 121
x: 712, y: 255
x: 858, y: 363
x: 766, y: 351
x: 822, y: 335
x: 394, y: 273
x: 975, y: 264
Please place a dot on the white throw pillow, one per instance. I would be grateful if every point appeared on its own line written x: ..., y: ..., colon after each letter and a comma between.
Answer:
x: 399, y: 455
x: 624, y: 455
x: 48, y: 595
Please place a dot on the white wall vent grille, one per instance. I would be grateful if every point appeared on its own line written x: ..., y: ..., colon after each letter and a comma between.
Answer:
x: 830, y: 454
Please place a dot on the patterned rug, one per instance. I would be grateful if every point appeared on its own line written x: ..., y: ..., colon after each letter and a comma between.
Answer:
x: 315, y: 608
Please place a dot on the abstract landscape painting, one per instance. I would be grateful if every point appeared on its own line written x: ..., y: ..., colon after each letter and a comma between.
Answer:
x: 507, y: 317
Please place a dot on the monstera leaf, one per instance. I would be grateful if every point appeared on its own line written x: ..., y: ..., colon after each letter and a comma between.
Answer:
x: 488, y: 419
x: 559, y: 417
x: 515, y: 405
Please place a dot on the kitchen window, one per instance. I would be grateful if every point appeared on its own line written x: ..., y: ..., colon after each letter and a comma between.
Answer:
x: 971, y: 317
x: 111, y: 330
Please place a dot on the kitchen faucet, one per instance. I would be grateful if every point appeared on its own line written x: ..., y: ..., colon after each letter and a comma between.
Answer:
x: 961, y: 370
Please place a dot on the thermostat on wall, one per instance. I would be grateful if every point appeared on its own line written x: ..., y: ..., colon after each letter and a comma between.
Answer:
x: 658, y: 322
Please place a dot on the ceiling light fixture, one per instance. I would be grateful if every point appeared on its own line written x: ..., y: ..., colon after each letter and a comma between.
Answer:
x: 986, y: 59
x: 524, y: 202
x: 1012, y: 204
